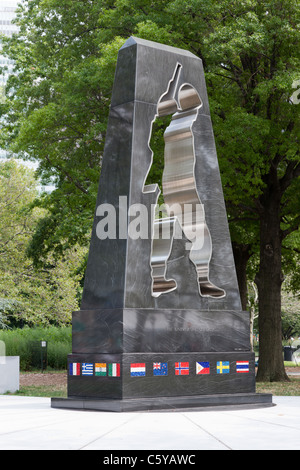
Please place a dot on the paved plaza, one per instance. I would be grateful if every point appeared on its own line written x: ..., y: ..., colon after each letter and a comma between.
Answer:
x: 30, y: 423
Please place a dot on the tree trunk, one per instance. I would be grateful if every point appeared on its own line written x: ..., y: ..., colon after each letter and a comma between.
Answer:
x: 269, y: 280
x: 241, y: 255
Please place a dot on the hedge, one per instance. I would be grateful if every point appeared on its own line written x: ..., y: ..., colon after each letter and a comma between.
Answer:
x: 21, y: 342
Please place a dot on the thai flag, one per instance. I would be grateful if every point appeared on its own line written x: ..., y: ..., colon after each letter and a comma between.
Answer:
x: 242, y: 366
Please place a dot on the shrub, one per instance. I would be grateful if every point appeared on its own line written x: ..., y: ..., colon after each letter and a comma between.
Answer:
x: 19, y: 342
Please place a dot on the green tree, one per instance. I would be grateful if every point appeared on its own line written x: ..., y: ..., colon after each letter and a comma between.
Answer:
x: 58, y: 103
x: 259, y: 146
x: 30, y: 295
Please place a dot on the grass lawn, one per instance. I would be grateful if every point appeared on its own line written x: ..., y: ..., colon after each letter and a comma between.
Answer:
x: 41, y: 391
x: 289, y: 389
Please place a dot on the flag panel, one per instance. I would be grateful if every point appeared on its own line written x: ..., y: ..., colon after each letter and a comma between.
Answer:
x: 223, y: 367
x: 160, y: 368
x: 100, y: 369
x: 114, y: 370
x: 181, y: 368
x: 74, y: 368
x: 137, y: 369
x: 87, y: 368
x: 242, y: 366
x: 202, y: 368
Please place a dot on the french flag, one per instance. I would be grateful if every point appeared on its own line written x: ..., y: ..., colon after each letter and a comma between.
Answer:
x: 74, y: 368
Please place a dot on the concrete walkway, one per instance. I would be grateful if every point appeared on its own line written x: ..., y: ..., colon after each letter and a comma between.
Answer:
x: 30, y: 423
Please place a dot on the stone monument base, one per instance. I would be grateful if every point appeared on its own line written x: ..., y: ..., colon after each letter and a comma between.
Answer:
x: 161, y: 381
x: 152, y: 375
x: 144, y: 359
x: 199, y: 403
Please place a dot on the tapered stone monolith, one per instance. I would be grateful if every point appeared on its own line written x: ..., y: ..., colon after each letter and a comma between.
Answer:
x: 161, y: 324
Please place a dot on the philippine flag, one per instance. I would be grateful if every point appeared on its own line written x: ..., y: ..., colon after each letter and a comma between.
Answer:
x: 137, y: 369
x: 74, y: 368
x: 202, y: 368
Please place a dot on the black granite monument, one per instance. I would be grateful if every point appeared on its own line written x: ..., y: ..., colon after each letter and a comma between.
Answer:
x: 161, y: 324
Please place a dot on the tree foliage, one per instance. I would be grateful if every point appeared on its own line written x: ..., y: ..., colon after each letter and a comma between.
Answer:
x: 58, y: 103
x: 29, y: 295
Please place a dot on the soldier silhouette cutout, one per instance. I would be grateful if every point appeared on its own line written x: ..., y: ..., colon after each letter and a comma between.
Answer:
x: 182, y: 201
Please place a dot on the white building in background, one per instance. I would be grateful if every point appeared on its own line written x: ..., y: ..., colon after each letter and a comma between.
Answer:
x: 7, y: 14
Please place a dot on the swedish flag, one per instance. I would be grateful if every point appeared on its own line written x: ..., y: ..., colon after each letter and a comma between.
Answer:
x: 223, y: 367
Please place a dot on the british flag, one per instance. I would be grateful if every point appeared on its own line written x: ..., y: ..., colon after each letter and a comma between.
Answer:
x: 160, y: 368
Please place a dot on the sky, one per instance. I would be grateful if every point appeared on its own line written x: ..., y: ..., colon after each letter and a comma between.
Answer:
x: 8, y: 3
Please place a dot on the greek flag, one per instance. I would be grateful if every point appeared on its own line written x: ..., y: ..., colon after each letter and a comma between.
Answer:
x: 87, y: 368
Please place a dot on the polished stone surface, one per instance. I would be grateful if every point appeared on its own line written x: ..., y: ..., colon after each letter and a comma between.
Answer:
x: 203, y: 402
x: 118, y: 271
x: 145, y: 375
x: 159, y: 330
